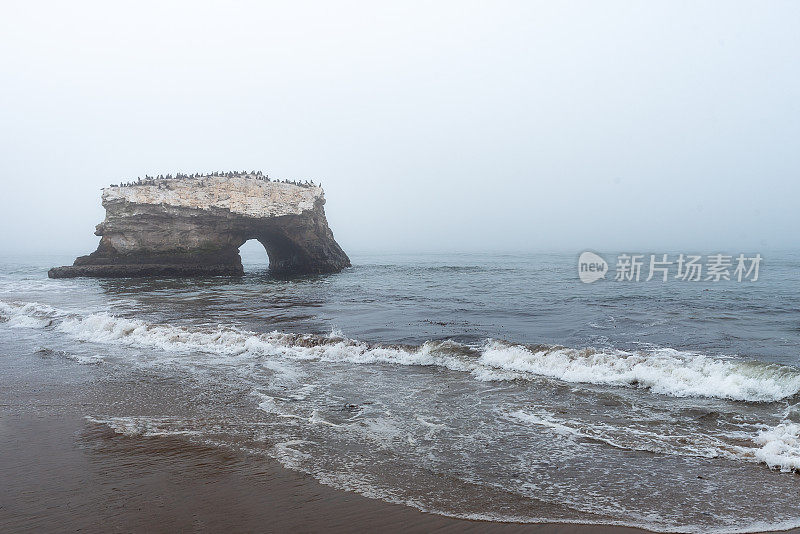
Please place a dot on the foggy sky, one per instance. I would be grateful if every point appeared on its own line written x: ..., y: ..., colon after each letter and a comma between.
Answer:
x: 432, y: 125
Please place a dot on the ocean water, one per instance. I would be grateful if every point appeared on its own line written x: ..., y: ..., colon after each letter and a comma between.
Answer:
x: 484, y: 386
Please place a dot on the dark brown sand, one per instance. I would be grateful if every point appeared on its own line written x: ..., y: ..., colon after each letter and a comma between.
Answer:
x: 60, y: 474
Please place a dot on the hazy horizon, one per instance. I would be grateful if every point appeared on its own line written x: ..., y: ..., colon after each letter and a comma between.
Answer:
x: 524, y: 126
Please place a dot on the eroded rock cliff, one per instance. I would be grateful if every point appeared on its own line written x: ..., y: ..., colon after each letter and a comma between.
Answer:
x: 195, y: 226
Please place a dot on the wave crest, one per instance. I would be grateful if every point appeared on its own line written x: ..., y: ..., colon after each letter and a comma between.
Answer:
x: 663, y: 371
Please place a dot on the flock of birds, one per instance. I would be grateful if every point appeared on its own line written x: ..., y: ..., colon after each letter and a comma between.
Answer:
x: 257, y: 175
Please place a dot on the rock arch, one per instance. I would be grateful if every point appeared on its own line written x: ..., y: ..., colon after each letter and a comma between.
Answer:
x: 195, y: 226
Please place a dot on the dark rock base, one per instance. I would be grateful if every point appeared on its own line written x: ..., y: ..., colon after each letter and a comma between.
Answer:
x: 144, y: 269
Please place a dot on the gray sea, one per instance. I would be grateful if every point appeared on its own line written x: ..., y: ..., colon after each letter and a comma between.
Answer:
x: 491, y: 386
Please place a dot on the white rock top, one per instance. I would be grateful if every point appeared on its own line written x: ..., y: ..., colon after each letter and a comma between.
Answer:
x: 240, y: 194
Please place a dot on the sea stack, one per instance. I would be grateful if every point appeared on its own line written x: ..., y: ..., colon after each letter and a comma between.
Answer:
x: 194, y: 226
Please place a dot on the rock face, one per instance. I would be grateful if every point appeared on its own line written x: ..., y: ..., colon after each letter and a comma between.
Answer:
x: 195, y: 226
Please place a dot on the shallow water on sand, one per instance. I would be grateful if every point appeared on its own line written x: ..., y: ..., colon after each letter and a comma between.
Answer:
x: 483, y: 386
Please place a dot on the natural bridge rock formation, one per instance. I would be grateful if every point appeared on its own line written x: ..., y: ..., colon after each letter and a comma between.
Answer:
x: 195, y: 226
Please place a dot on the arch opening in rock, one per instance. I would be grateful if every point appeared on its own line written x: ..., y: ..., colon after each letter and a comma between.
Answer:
x: 254, y: 256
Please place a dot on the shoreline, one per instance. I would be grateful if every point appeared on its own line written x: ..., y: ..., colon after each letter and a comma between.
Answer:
x: 63, y: 474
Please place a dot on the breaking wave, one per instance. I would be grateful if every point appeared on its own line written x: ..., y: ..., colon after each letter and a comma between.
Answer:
x: 662, y: 371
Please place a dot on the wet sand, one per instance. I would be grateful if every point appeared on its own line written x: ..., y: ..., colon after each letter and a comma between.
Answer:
x: 61, y: 474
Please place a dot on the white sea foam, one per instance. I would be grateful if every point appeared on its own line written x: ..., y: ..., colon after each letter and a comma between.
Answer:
x: 83, y: 359
x: 23, y: 321
x: 780, y: 446
x: 639, y: 439
x: 267, y: 403
x: 270, y: 404
x: 144, y: 426
x: 663, y: 371
x: 28, y: 314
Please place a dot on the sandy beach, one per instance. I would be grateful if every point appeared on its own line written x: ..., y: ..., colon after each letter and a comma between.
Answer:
x: 62, y: 476
x: 62, y: 473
